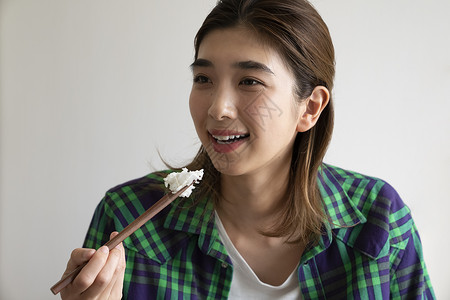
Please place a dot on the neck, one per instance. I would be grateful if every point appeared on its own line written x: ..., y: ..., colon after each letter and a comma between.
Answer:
x: 253, y: 201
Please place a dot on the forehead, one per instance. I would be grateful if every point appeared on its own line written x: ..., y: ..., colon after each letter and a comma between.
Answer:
x: 237, y: 44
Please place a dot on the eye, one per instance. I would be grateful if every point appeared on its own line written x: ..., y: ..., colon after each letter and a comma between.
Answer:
x: 250, y: 82
x: 201, y: 79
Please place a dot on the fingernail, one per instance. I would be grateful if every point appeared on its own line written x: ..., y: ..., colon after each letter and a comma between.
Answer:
x: 103, y: 249
x: 89, y: 253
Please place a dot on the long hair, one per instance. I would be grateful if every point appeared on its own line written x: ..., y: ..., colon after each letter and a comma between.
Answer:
x: 296, y: 30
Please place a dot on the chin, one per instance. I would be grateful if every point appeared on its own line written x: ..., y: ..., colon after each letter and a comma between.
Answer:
x: 226, y: 163
x: 226, y: 166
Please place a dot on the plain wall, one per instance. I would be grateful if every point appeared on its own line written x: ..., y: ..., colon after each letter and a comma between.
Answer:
x: 90, y: 90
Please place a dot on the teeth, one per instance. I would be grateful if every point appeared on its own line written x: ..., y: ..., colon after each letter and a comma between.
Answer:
x: 223, y: 138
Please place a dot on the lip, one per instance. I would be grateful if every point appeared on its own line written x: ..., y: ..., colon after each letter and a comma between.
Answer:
x: 226, y: 148
x: 226, y: 132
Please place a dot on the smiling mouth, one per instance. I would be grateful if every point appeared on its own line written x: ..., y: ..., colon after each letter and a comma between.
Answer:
x: 229, y: 139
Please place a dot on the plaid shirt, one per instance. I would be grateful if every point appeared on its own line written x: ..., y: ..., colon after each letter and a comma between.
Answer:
x: 371, y: 249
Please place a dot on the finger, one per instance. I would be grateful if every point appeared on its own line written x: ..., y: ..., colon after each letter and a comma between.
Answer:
x: 108, y: 290
x: 117, y: 288
x: 106, y: 276
x: 122, y: 261
x: 105, y: 279
x: 78, y: 257
x: 116, y: 291
x: 89, y: 273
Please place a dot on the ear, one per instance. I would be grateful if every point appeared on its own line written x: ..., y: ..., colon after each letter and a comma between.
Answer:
x: 313, y: 107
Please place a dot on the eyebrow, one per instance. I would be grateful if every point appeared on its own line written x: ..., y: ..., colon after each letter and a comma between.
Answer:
x: 253, y: 65
x: 245, y: 65
x: 201, y: 62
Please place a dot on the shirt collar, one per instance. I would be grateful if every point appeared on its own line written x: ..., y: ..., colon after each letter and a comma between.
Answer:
x: 340, y: 210
x: 342, y: 214
x: 343, y: 193
x: 198, y: 219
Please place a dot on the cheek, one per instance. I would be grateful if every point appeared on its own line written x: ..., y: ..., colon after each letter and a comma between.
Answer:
x: 265, y: 112
x: 198, y: 109
x: 193, y: 106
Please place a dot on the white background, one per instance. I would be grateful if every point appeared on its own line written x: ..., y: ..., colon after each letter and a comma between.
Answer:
x: 91, y: 90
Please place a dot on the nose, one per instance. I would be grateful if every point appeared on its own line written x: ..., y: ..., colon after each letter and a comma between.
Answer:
x: 223, y: 104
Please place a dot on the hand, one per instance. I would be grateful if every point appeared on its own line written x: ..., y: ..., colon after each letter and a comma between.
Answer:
x: 101, y: 278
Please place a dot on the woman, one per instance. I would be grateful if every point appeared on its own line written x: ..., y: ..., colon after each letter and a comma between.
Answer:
x: 270, y: 220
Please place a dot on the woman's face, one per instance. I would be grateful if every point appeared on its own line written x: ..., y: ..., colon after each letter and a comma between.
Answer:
x: 242, y: 103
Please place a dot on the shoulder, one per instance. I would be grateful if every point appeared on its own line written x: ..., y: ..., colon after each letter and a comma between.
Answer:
x: 379, y: 217
x: 142, y: 183
x: 362, y: 190
x: 123, y: 203
x: 143, y: 191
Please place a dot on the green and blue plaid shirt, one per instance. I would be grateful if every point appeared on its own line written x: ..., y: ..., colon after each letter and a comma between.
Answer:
x: 371, y: 249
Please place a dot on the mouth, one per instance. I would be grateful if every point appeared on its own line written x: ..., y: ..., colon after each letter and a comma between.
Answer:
x: 225, y: 141
x: 229, y: 139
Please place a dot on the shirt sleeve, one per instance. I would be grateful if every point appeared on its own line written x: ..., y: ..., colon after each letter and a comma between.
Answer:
x: 409, y: 275
x: 101, y: 226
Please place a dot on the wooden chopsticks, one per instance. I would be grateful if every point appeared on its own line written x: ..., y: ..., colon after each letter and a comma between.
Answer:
x: 126, y: 232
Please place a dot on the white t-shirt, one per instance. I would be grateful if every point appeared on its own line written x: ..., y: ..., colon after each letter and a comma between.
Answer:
x: 246, y: 285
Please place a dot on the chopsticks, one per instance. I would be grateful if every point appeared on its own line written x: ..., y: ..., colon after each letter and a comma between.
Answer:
x: 126, y: 232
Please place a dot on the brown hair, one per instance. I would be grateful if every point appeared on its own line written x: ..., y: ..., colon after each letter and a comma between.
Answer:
x: 298, y: 33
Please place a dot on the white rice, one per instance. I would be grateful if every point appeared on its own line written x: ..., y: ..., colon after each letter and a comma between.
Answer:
x: 176, y: 181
